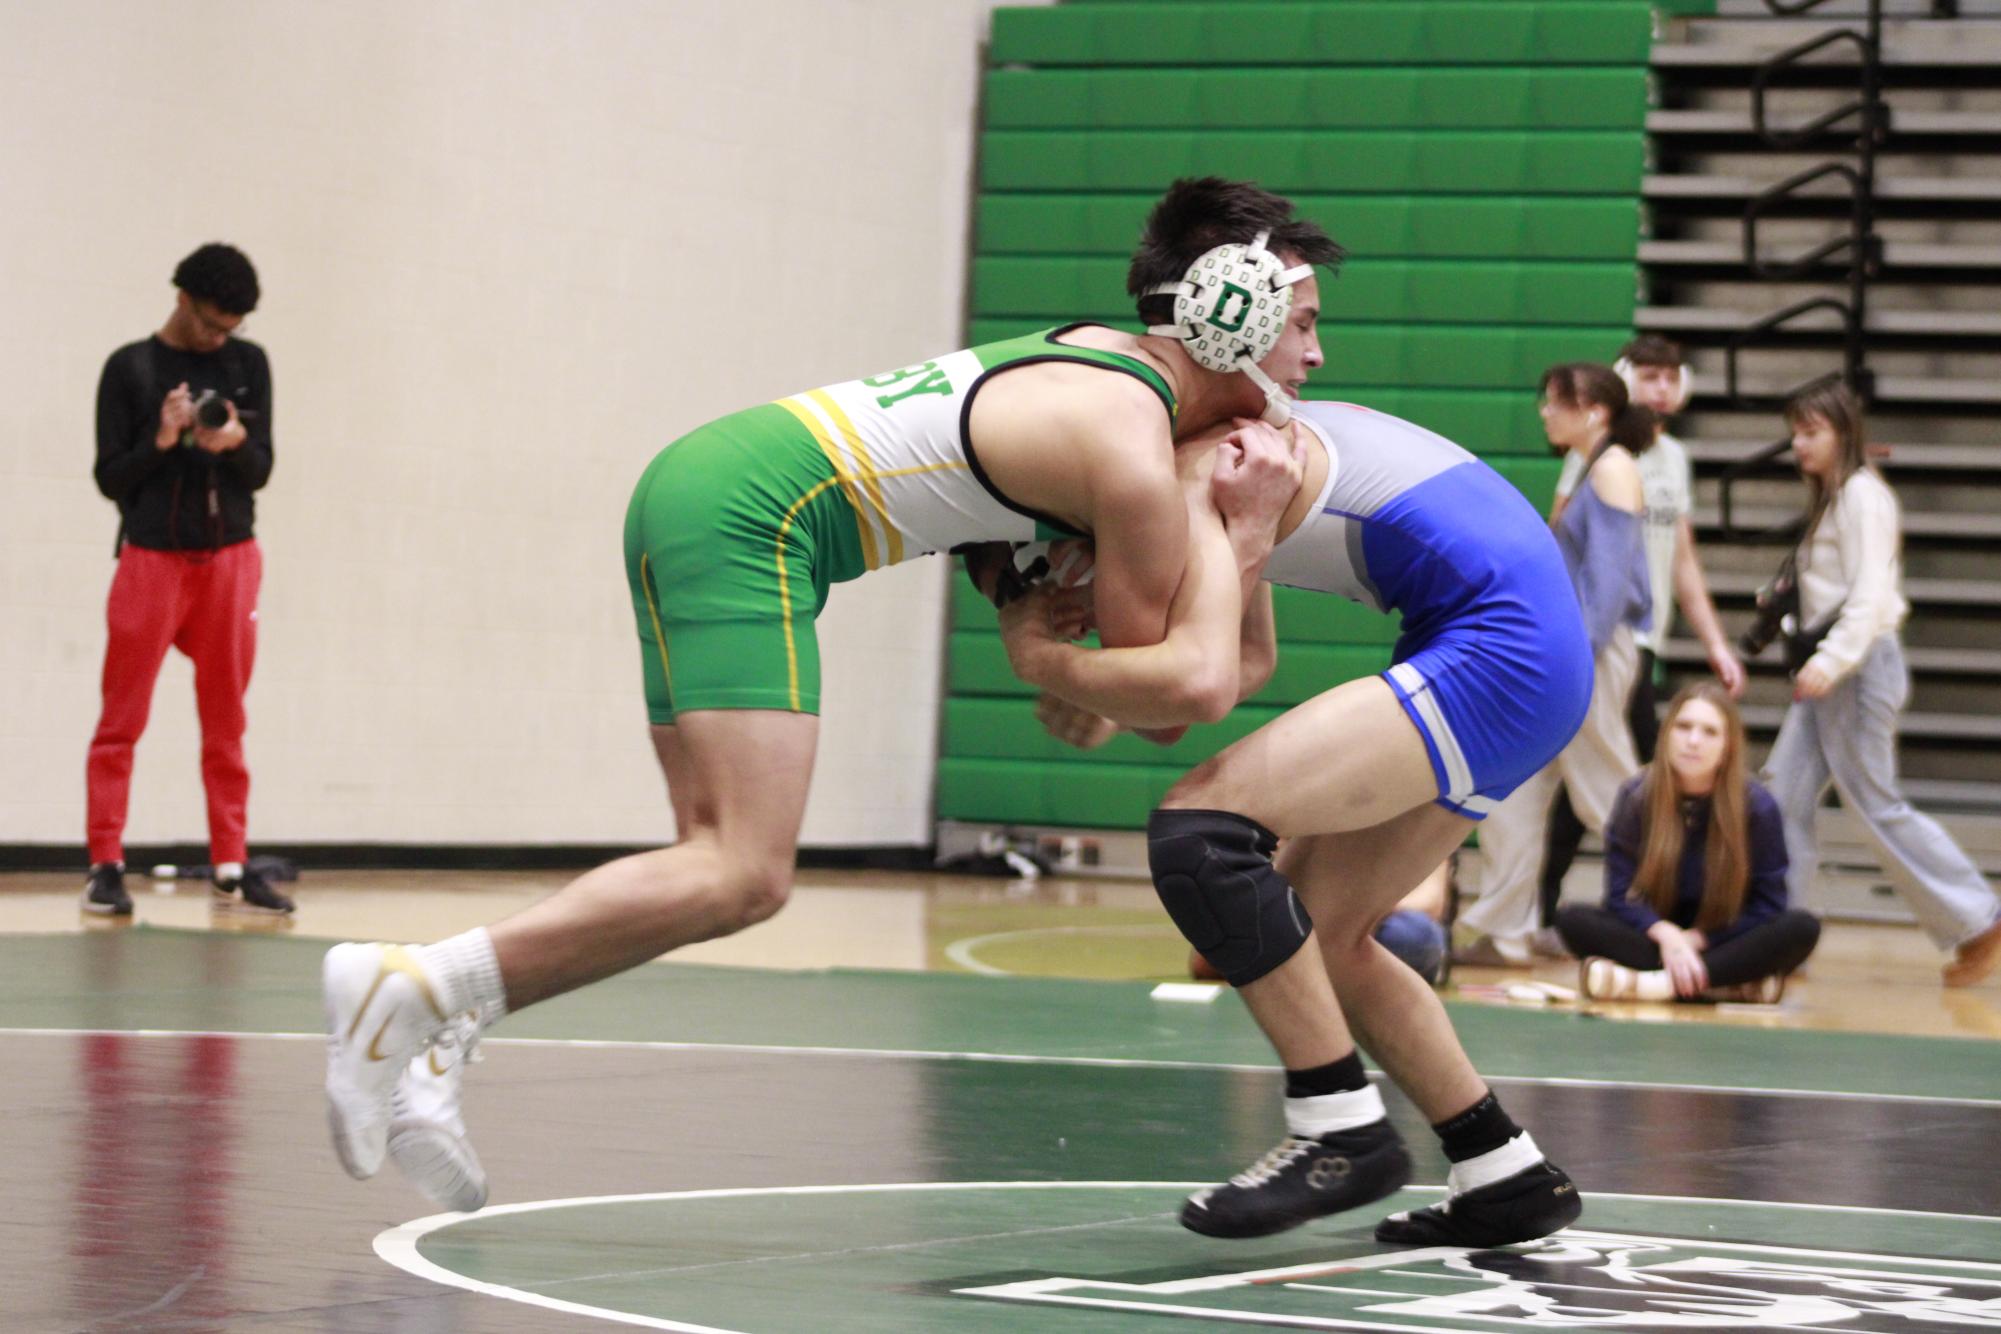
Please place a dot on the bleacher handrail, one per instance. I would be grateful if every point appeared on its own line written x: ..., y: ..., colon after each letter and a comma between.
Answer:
x: 1851, y: 371
x: 1861, y: 246
x: 1797, y: 135
x: 1801, y: 265
x: 1762, y: 461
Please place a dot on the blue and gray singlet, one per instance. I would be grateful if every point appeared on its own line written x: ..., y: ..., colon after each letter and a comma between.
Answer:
x: 1492, y: 665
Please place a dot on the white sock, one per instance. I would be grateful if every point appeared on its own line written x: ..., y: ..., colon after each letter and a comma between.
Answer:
x: 1310, y: 1118
x: 229, y: 870
x: 467, y: 975
x: 1517, y: 1155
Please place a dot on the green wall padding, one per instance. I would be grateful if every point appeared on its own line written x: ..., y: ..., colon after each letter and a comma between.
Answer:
x: 1380, y: 226
x: 1224, y: 98
x: 1396, y: 162
x: 1402, y: 32
x: 1482, y: 162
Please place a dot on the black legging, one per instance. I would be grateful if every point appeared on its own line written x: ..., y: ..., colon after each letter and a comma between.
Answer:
x: 1774, y: 947
x: 1566, y: 831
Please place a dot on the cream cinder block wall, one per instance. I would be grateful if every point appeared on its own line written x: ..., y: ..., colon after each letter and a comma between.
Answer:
x: 509, y: 248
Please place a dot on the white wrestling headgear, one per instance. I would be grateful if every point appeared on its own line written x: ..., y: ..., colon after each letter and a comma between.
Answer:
x: 1684, y: 382
x: 1229, y: 311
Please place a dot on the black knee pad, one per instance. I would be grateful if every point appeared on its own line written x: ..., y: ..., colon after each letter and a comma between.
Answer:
x: 1214, y: 875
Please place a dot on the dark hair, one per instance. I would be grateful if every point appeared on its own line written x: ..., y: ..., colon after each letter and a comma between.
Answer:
x: 1830, y: 400
x: 1588, y: 384
x: 1653, y: 350
x: 1199, y: 213
x: 220, y: 275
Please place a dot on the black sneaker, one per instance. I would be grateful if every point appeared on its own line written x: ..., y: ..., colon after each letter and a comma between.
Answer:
x: 1531, y: 1204
x: 1301, y: 1180
x: 251, y: 892
x: 104, y: 893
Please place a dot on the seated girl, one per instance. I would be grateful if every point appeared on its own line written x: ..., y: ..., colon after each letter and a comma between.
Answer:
x: 1695, y: 874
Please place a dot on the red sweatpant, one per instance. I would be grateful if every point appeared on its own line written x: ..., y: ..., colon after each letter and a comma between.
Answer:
x: 205, y: 605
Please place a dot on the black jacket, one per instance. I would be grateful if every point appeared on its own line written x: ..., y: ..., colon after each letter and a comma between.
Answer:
x: 164, y: 495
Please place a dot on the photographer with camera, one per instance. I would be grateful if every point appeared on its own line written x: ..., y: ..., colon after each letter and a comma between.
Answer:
x: 1850, y: 682
x: 183, y: 441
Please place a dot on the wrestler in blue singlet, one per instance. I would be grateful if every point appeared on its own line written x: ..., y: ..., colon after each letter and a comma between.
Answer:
x: 1493, y: 664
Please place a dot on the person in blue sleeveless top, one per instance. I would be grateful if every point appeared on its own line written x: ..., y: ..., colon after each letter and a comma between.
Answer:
x: 1371, y: 785
x: 1602, y: 531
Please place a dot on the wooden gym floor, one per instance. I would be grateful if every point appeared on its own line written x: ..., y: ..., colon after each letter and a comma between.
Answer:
x: 859, y: 1131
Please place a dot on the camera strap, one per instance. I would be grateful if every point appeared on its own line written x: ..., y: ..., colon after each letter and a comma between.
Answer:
x: 1800, y: 645
x: 214, y: 515
x: 1789, y: 569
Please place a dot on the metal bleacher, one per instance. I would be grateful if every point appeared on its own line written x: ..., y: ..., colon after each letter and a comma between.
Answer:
x: 1925, y: 343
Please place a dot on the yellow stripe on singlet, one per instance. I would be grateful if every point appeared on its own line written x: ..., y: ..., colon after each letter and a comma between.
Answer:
x: 843, y: 474
x: 870, y: 478
x: 785, y: 589
x: 653, y: 610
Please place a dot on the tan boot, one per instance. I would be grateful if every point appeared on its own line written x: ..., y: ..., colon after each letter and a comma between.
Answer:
x: 1975, y: 959
x: 1602, y: 979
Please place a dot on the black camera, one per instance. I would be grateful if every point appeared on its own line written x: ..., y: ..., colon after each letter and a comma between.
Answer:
x: 211, y: 411
x: 1778, y: 606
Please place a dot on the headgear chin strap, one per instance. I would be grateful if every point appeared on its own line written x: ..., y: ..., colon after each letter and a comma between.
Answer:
x: 1684, y: 381
x: 1229, y: 311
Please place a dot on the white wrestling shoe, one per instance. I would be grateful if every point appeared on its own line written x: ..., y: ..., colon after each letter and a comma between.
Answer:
x: 427, y: 1133
x: 381, y: 1010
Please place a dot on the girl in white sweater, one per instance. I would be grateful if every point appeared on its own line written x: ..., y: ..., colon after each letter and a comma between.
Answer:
x: 1842, y: 725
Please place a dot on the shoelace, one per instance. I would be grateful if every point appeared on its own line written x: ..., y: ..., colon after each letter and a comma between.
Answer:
x: 1276, y: 1159
x: 456, y: 1044
x: 460, y: 1039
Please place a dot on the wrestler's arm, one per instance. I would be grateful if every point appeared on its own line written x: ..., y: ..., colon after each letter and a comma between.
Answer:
x: 1257, y: 644
x: 1253, y: 531
x: 1235, y: 486
x: 1191, y: 675
x: 1165, y: 670
x: 1257, y: 657
x: 1257, y: 636
x: 1139, y: 530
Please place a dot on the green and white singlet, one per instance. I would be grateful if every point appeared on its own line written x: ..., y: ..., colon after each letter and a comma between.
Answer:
x: 737, y: 530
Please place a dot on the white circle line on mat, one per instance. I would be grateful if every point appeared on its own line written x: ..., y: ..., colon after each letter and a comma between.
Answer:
x: 398, y: 1245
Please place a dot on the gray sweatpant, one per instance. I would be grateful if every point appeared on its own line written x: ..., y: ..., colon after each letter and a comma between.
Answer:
x: 1515, y: 833
x: 1850, y: 736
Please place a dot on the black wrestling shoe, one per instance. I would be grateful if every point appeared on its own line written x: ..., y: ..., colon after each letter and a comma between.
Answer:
x: 251, y: 892
x: 104, y: 893
x: 1301, y: 1180
x: 1531, y: 1204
